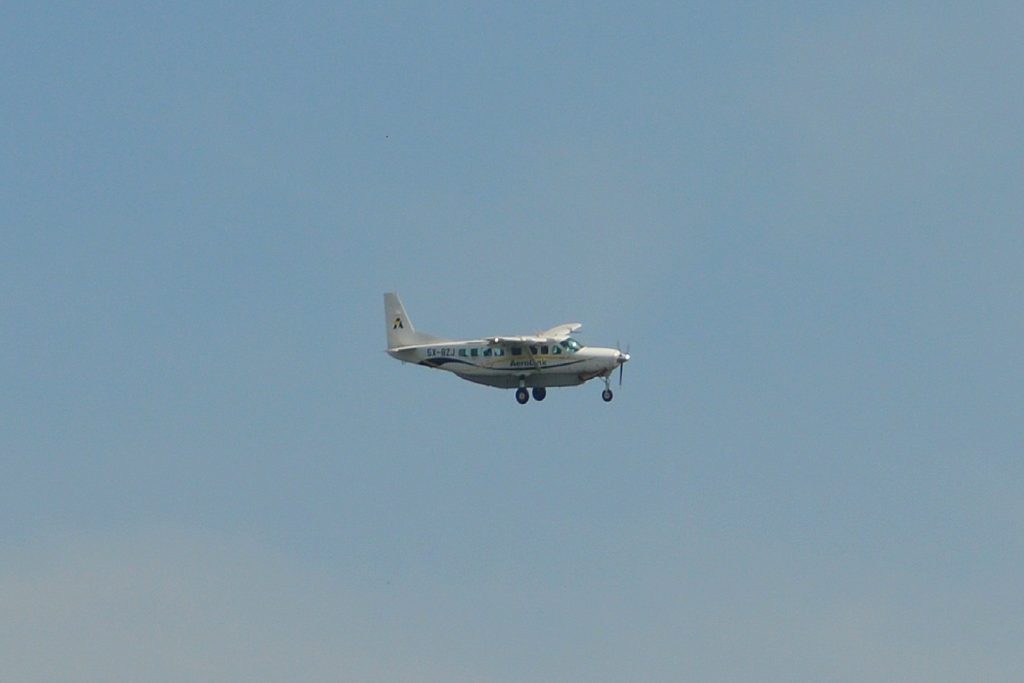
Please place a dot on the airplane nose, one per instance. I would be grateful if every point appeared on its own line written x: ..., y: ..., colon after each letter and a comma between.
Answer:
x: 620, y: 360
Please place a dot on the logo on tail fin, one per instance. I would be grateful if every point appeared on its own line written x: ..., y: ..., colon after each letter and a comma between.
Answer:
x: 398, y: 324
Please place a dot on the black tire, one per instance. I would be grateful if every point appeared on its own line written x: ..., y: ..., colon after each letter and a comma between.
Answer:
x: 606, y: 395
x: 539, y: 393
x: 522, y: 395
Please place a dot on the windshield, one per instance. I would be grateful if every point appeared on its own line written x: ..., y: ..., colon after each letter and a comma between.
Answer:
x: 571, y: 345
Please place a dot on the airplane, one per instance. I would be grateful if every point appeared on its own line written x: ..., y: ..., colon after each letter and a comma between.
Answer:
x: 552, y: 358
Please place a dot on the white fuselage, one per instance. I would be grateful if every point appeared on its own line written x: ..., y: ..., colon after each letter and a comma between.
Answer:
x: 513, y: 365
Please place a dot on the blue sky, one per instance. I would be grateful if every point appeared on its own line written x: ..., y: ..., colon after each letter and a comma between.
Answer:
x: 806, y: 222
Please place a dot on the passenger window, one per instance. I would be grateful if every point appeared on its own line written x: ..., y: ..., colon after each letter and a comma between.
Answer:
x: 533, y: 350
x: 462, y: 352
x: 474, y: 352
x: 487, y: 352
x: 517, y: 350
x: 499, y: 352
x: 544, y: 349
x: 556, y: 349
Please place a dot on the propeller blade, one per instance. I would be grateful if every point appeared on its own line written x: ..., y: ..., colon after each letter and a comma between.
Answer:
x: 622, y: 363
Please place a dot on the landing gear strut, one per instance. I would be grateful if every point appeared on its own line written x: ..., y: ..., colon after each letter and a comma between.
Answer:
x: 607, y: 393
x: 522, y: 395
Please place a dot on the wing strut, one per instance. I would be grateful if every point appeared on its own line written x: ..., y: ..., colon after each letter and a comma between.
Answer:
x: 533, y: 359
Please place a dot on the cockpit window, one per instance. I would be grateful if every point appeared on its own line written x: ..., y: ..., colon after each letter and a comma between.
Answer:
x: 571, y: 345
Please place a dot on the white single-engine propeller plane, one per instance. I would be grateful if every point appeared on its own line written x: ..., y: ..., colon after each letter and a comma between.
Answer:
x: 548, y: 359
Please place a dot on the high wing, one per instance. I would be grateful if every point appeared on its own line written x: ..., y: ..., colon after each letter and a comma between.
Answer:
x: 520, y: 340
x: 552, y: 336
x: 561, y: 332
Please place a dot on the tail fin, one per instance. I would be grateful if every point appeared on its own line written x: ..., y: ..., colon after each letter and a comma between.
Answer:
x: 399, y: 327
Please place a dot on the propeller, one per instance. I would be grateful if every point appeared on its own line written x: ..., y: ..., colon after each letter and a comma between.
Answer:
x: 622, y: 360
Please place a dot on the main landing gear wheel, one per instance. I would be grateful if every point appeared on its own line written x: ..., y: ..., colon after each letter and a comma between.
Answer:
x: 606, y: 395
x: 522, y: 395
x: 539, y: 393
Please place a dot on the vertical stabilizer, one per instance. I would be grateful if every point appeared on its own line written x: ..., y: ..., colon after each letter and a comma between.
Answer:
x: 399, y: 327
